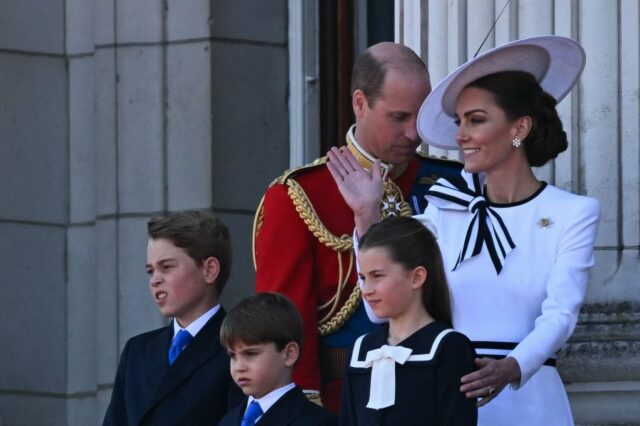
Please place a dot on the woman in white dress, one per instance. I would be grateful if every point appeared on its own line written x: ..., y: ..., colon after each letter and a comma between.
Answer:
x: 517, y: 250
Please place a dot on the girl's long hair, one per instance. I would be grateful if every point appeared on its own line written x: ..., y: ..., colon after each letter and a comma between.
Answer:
x: 411, y: 244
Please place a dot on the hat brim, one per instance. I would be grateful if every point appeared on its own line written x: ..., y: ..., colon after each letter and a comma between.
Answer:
x: 556, y: 63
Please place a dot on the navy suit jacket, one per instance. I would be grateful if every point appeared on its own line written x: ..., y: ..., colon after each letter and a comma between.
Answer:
x: 196, y: 390
x: 292, y: 409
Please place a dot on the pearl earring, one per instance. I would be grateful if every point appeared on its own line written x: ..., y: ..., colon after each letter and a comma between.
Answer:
x: 516, y: 142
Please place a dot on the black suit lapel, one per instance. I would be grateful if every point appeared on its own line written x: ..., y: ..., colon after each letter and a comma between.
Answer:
x: 288, y: 408
x: 156, y: 352
x: 237, y: 413
x: 156, y: 361
x: 203, y: 347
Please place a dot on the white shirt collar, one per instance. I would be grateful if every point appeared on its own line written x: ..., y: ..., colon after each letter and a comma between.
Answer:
x: 195, y: 327
x: 271, y: 398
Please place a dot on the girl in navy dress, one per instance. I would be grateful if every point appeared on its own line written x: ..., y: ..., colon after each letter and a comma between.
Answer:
x: 407, y: 372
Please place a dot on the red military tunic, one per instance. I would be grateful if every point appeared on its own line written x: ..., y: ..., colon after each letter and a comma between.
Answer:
x: 303, y: 250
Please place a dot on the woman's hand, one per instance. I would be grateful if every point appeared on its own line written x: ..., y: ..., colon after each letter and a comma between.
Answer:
x: 361, y: 189
x: 491, y: 377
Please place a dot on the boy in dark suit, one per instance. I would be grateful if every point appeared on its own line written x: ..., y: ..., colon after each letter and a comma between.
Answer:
x: 263, y: 336
x: 179, y: 374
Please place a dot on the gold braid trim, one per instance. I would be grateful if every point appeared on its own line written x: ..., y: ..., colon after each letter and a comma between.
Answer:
x: 366, y: 160
x: 330, y: 323
x: 342, y: 283
x: 405, y: 210
x: 344, y: 279
x: 258, y: 219
x: 314, y: 397
x: 333, y: 321
x: 257, y: 224
x: 310, y: 217
x: 343, y: 315
x: 393, y: 203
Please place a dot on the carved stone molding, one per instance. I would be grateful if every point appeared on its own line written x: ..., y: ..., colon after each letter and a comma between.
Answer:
x: 605, y: 346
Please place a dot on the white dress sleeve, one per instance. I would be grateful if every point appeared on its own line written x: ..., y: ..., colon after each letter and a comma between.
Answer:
x: 565, y: 290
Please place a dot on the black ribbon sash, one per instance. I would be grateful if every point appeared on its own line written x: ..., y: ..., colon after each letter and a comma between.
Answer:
x: 486, y: 227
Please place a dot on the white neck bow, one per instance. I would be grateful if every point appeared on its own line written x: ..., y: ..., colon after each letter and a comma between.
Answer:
x: 382, y: 391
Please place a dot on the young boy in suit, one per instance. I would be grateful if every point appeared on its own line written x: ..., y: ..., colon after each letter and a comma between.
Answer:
x: 263, y: 336
x: 179, y: 374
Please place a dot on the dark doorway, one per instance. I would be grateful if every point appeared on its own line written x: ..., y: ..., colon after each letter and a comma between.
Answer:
x: 337, y: 22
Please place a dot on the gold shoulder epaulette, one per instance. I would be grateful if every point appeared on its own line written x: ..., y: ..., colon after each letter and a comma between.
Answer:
x: 297, y: 170
x: 337, y: 315
x: 442, y: 159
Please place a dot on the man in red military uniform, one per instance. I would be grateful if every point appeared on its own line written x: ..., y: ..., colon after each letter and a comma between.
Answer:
x: 303, y: 227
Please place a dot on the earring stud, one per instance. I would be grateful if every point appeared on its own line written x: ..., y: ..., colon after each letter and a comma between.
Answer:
x: 516, y: 142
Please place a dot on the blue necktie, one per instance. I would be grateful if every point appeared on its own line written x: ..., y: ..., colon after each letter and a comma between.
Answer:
x: 181, y: 340
x: 253, y: 412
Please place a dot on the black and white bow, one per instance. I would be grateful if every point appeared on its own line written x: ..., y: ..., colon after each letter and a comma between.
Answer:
x: 485, y: 227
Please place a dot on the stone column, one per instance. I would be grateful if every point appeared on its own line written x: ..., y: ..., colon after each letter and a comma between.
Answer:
x: 47, y: 213
x: 107, y: 118
x: 153, y: 132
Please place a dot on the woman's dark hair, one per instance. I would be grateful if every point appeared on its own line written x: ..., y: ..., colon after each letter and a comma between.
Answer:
x: 518, y: 94
x: 410, y: 244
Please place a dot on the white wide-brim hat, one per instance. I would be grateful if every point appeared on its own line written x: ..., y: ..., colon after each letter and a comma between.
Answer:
x: 556, y: 62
